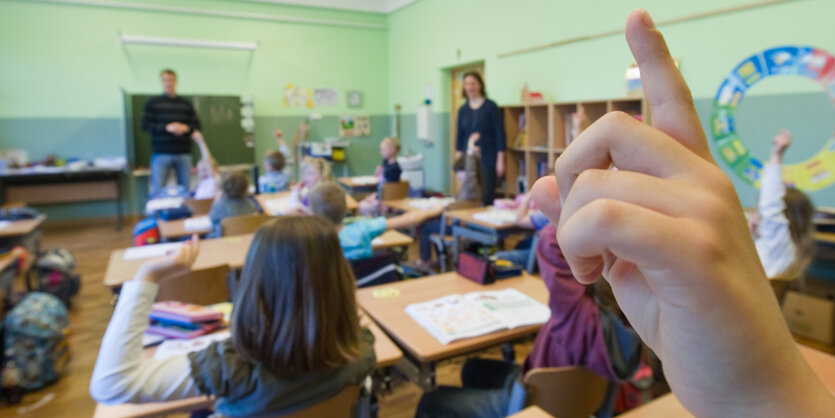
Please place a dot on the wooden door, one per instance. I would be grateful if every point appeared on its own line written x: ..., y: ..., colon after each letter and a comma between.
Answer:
x: 457, y: 99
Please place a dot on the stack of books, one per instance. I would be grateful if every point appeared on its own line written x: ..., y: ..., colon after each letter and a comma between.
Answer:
x: 183, y: 320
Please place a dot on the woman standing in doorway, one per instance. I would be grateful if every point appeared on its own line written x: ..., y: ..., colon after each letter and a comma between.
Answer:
x: 481, y: 118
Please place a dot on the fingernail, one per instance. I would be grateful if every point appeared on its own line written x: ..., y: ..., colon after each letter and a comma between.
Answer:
x: 647, y: 19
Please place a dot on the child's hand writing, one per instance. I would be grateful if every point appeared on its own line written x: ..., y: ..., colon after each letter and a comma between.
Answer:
x: 172, y: 265
x: 668, y: 233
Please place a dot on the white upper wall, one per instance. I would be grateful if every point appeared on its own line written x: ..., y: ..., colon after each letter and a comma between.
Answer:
x: 370, y: 6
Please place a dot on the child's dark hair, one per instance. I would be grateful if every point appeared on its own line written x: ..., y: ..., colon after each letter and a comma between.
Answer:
x: 295, y: 305
x: 234, y: 184
x: 800, y: 211
x: 274, y: 160
x: 328, y: 201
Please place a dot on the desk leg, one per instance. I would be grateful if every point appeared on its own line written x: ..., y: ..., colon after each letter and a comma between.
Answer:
x: 118, y: 203
x: 418, y: 372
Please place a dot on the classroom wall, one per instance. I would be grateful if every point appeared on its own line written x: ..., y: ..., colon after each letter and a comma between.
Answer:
x: 428, y: 37
x: 63, y: 68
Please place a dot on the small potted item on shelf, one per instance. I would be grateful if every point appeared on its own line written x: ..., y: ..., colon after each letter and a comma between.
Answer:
x: 531, y: 96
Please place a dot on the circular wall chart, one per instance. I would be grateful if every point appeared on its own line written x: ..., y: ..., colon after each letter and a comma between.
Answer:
x: 816, y: 172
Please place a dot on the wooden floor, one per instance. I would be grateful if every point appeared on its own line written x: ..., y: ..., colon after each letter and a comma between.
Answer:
x: 91, y: 311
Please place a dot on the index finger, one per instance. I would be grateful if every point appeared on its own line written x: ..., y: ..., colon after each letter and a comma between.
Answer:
x: 670, y: 101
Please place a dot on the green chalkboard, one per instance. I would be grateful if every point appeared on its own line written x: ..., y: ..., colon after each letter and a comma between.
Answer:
x: 220, y: 120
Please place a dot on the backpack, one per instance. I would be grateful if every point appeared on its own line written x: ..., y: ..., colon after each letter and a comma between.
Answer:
x: 54, y: 273
x: 36, y: 341
x: 145, y: 232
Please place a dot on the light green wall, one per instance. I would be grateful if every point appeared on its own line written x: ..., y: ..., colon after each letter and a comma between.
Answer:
x: 425, y: 39
x: 65, y: 61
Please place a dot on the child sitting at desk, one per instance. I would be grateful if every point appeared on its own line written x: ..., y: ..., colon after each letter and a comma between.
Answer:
x: 328, y: 200
x: 296, y: 337
x: 207, y: 170
x: 313, y: 172
x: 277, y: 163
x: 389, y: 171
x: 232, y: 200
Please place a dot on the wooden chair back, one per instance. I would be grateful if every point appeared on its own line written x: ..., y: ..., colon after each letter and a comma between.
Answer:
x: 200, y: 287
x: 566, y: 392
x: 339, y: 406
x: 199, y: 207
x: 242, y: 224
x: 394, y: 191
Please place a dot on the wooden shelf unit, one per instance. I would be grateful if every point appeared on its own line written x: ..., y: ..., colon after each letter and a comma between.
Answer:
x: 545, y: 126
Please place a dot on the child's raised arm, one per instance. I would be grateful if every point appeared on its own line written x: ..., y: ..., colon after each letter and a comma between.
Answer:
x: 120, y: 374
x: 668, y: 233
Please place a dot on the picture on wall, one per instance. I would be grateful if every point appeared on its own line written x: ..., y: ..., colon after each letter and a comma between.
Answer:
x: 354, y: 125
x: 354, y: 99
x: 298, y: 96
x: 326, y: 97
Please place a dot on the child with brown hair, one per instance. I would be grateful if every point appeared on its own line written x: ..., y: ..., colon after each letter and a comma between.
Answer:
x: 232, y: 200
x: 328, y: 200
x: 296, y: 338
x: 277, y: 162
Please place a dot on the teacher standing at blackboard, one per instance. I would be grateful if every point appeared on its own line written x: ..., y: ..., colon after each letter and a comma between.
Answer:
x: 481, y: 118
x: 170, y: 120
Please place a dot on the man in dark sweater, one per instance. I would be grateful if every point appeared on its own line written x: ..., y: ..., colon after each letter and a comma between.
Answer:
x: 170, y: 120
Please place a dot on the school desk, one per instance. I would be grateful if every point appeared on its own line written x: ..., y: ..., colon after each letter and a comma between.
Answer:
x: 387, y: 355
x: 386, y: 304
x: 213, y: 252
x: 357, y: 184
x: 219, y: 251
x: 668, y: 405
x: 26, y: 232
x: 263, y: 198
x: 61, y: 185
x: 465, y: 225
x: 172, y: 230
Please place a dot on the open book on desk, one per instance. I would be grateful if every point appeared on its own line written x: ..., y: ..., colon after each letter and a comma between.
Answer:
x: 455, y: 317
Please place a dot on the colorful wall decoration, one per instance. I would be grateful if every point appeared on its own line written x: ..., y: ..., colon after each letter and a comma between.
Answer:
x: 818, y: 65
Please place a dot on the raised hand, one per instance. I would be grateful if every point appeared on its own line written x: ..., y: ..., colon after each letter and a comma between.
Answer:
x: 779, y: 144
x: 668, y: 233
x: 172, y: 265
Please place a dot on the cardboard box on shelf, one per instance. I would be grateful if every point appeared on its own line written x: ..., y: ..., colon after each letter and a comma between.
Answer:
x: 809, y: 316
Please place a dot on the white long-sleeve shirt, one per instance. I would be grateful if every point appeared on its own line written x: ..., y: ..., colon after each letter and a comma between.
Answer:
x: 774, y: 242
x: 120, y: 375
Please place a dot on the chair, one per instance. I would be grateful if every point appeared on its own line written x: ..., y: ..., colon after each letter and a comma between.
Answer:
x: 199, y: 207
x: 200, y: 287
x: 566, y: 392
x: 394, y: 191
x: 242, y: 224
x: 378, y: 269
x: 442, y: 241
x: 341, y: 405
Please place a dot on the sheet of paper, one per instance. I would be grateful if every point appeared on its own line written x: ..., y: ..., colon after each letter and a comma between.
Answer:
x: 365, y: 180
x: 149, y: 251
x: 280, y: 206
x: 170, y: 348
x: 430, y: 202
x: 154, y: 205
x: 377, y: 241
x: 452, y: 317
x: 201, y: 223
x: 497, y: 216
x: 510, y: 306
x: 4, y: 224
x: 151, y: 339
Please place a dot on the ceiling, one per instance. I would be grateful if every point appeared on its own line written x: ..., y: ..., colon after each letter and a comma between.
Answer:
x: 370, y: 6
